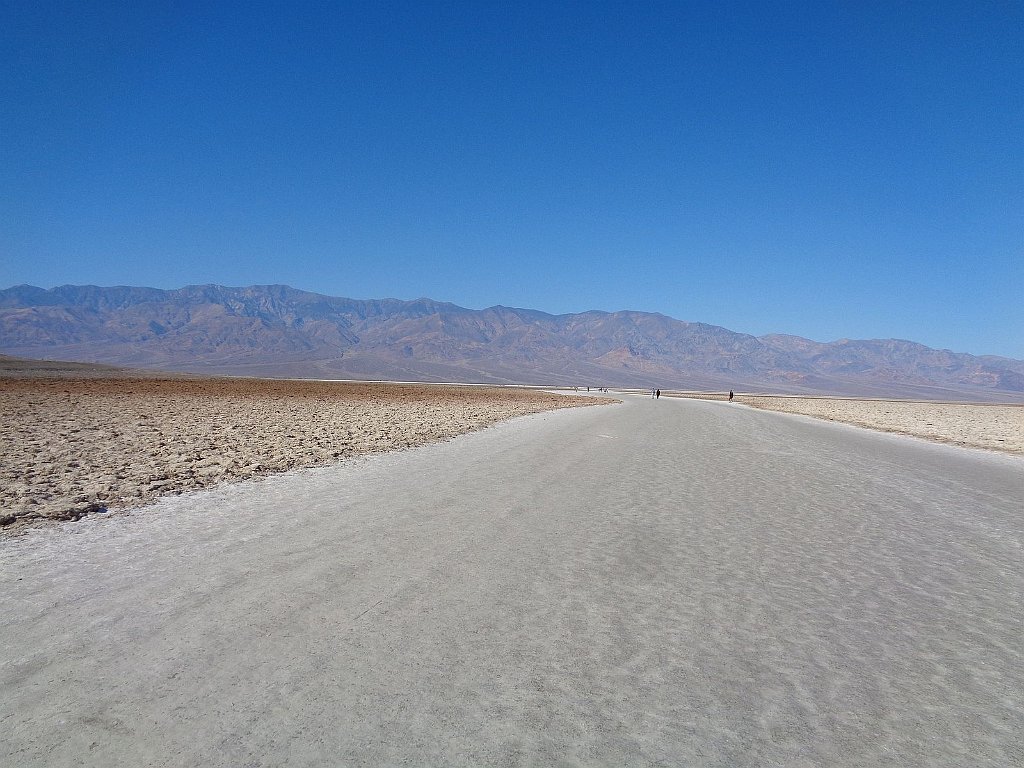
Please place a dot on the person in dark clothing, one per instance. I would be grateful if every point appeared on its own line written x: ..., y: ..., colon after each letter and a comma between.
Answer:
x: 730, y: 395
x: 657, y: 394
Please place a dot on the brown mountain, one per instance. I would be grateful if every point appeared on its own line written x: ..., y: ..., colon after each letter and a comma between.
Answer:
x: 280, y: 331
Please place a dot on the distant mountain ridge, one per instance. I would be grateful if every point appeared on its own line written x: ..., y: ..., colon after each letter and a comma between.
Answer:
x: 276, y: 330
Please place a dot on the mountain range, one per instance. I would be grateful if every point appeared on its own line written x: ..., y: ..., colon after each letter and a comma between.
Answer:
x: 280, y: 331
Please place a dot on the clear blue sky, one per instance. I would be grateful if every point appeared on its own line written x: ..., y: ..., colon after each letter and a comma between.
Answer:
x: 831, y: 170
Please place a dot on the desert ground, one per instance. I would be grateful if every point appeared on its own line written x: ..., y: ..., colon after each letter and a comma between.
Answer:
x: 81, y: 439
x: 661, y: 582
x: 84, y: 440
x: 994, y: 426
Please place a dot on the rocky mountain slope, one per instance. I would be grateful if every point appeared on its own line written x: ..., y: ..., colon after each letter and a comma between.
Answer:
x: 280, y: 331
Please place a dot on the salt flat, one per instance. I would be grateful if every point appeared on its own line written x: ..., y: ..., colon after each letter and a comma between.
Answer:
x: 83, y: 440
x: 993, y: 426
x: 660, y: 582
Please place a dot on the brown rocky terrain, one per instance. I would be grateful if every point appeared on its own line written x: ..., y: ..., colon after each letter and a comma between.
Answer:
x: 85, y: 441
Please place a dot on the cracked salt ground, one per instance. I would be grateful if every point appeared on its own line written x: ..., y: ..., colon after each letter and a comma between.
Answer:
x: 75, y: 446
x: 717, y: 586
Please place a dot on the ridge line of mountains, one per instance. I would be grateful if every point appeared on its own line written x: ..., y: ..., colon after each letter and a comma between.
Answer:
x: 277, y: 331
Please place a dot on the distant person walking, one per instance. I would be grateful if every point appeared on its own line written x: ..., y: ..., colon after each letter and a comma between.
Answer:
x: 658, y: 393
x: 730, y: 395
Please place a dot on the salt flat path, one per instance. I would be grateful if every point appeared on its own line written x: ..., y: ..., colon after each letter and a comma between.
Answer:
x: 666, y: 582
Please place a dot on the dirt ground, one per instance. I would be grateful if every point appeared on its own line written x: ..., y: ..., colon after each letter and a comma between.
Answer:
x: 80, y: 444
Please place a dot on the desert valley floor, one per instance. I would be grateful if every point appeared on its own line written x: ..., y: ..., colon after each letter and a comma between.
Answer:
x: 83, y: 440
x: 652, y: 582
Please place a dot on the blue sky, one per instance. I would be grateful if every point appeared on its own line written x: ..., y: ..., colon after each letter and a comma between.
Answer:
x: 824, y: 169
